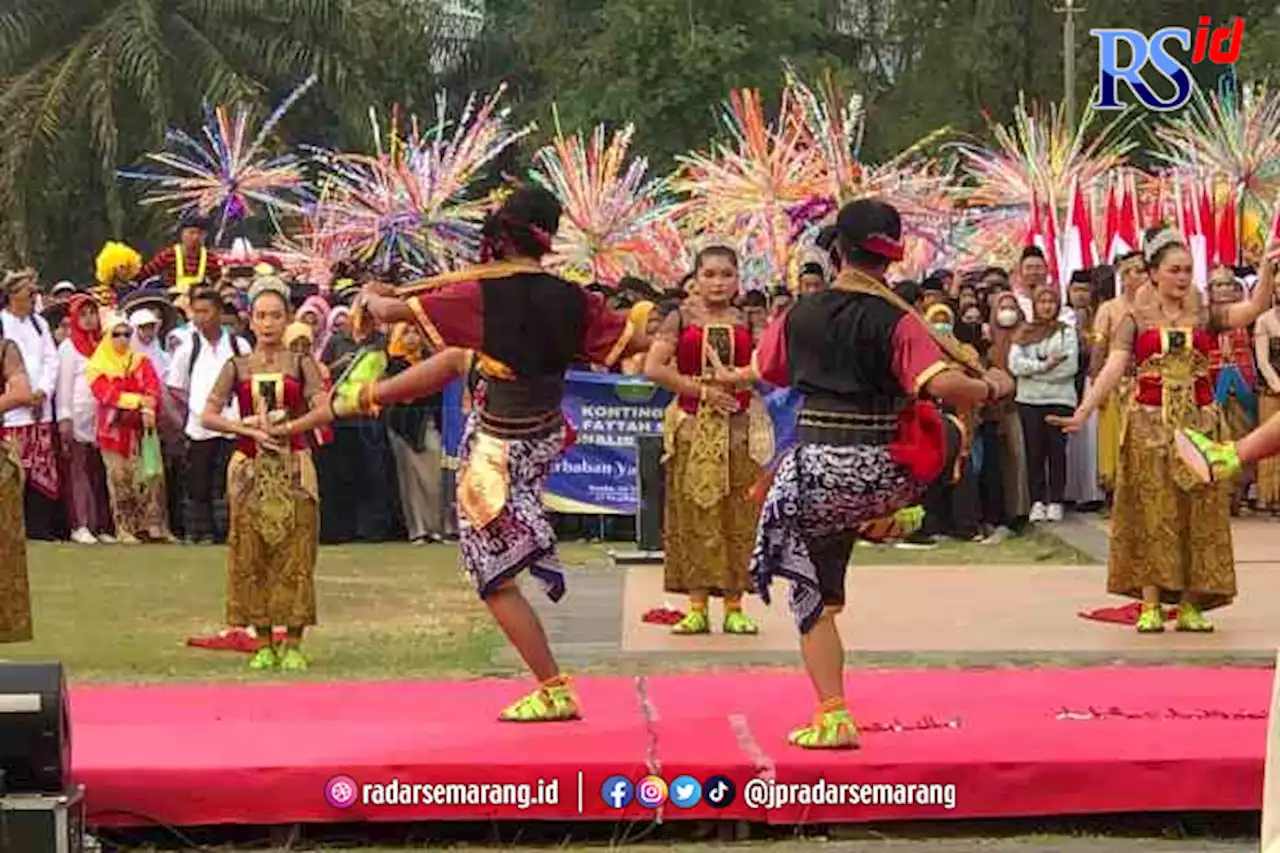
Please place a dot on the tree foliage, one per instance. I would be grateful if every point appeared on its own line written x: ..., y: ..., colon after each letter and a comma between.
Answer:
x: 88, y: 86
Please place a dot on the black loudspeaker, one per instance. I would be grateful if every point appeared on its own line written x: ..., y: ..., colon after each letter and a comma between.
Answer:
x: 35, y: 729
x: 652, y: 492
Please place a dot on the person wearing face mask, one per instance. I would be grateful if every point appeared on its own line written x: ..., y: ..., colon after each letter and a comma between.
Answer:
x: 1006, y: 497
x: 713, y: 449
x: 1044, y: 358
x: 1170, y: 533
x: 128, y: 390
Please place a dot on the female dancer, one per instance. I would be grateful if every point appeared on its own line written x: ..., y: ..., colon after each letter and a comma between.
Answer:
x: 1132, y: 272
x: 128, y: 392
x: 1267, y: 351
x: 527, y: 326
x: 272, y: 492
x: 15, y: 596
x: 710, y: 435
x: 88, y: 503
x: 1170, y: 537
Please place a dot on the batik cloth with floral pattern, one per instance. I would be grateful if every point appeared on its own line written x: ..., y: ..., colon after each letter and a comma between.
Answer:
x: 865, y: 448
x: 819, y: 496
x: 1168, y: 530
x: 15, y: 595
x: 503, y: 528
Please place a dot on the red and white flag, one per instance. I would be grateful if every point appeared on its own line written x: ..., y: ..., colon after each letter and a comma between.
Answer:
x: 1228, y: 242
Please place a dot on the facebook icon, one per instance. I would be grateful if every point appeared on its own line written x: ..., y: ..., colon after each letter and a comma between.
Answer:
x: 617, y: 792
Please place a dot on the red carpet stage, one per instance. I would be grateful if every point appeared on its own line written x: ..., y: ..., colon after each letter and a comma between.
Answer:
x: 1014, y: 743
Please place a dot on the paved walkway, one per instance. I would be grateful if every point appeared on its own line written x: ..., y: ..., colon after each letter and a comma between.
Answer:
x: 965, y: 614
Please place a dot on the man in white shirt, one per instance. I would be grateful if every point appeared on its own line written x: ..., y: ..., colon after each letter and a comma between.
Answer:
x: 1033, y: 274
x: 31, y: 429
x: 191, y: 375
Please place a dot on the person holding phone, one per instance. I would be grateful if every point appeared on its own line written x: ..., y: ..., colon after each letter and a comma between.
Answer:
x: 711, y: 460
x: 272, y: 491
x: 1170, y: 533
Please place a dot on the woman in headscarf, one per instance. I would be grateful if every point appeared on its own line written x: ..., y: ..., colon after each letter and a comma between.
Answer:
x: 1006, y: 497
x: 337, y: 343
x: 272, y: 491
x: 314, y: 312
x: 15, y: 595
x: 88, y: 505
x: 1044, y: 359
x: 1170, y: 533
x: 414, y: 432
x: 128, y: 389
x: 299, y: 339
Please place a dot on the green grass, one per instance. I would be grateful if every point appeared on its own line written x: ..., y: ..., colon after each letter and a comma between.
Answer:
x: 115, y: 614
x: 1034, y: 547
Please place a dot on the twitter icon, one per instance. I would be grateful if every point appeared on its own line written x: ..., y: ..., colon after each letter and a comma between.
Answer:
x: 685, y: 792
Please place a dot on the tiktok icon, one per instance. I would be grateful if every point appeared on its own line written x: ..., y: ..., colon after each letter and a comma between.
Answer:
x: 718, y: 792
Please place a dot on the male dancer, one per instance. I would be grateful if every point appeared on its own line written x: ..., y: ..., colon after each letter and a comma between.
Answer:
x: 527, y: 326
x: 868, y: 446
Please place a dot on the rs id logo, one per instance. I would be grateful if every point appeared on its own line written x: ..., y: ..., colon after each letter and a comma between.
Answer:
x: 1220, y: 47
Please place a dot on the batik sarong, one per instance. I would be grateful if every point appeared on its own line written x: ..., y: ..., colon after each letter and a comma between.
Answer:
x: 820, y: 495
x: 503, y: 528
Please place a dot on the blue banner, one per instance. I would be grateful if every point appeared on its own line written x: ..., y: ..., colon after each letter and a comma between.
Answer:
x: 597, y: 475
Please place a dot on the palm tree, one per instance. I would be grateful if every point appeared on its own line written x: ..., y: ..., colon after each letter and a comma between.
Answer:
x: 88, y: 86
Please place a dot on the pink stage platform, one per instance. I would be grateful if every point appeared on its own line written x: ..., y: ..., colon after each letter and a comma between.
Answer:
x: 1014, y: 743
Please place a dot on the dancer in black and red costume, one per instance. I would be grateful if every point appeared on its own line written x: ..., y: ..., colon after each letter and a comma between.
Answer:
x: 526, y: 327
x: 869, y: 444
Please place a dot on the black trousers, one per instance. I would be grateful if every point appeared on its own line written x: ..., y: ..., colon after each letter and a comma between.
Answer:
x: 991, y: 477
x: 357, y: 484
x: 1046, y: 453
x: 206, y: 496
x: 951, y: 509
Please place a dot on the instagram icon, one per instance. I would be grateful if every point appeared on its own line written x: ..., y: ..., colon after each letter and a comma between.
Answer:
x: 651, y: 792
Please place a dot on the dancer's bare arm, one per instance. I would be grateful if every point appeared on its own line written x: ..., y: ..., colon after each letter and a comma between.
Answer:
x: 17, y: 389
x: 1242, y: 314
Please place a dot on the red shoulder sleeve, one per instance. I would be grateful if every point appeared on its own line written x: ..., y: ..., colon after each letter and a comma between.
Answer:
x: 150, y: 381
x: 605, y: 333
x: 451, y: 316
x: 916, y: 358
x: 770, y: 357
x: 157, y: 265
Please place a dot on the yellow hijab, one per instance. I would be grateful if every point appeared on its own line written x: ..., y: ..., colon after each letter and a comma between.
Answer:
x: 106, y: 361
x: 397, y: 348
x: 298, y: 331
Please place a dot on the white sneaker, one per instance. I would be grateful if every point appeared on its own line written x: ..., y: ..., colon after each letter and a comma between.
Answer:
x: 82, y: 536
x: 1037, y: 512
x: 107, y: 539
x: 1055, y: 512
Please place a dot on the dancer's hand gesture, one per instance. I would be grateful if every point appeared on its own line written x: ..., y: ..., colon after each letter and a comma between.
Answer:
x: 1071, y: 425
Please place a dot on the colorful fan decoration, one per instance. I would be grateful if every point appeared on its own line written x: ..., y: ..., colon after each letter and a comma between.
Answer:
x: 228, y: 175
x: 1039, y: 157
x: 613, y: 223
x: 413, y: 205
x: 1228, y: 138
x: 751, y: 186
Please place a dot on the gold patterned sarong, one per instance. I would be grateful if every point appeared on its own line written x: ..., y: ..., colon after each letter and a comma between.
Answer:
x: 15, y: 595
x: 1168, y: 530
x: 273, y: 539
x: 1110, y: 420
x: 484, y: 480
